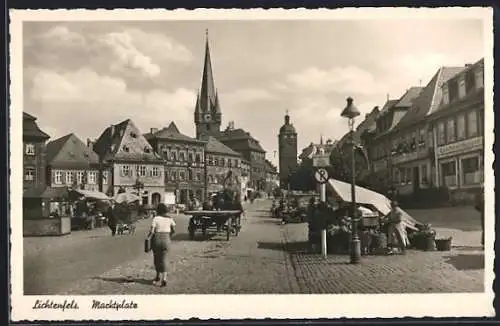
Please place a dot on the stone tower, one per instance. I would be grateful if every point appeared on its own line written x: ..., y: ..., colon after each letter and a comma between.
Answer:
x: 207, y: 114
x: 287, y: 140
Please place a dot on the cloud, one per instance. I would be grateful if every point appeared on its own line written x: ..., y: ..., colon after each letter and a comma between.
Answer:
x: 250, y: 95
x: 93, y: 100
x: 131, y: 54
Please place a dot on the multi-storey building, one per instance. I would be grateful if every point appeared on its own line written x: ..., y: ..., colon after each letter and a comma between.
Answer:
x: 71, y: 163
x: 133, y: 164
x: 34, y: 139
x: 208, y: 117
x: 378, y: 141
x: 458, y: 131
x: 245, y: 177
x: 184, y: 162
x: 223, y: 165
x: 272, y: 177
x: 411, y: 139
x: 287, y: 148
x: 34, y: 161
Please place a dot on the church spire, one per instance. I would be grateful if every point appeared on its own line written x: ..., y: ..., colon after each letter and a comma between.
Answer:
x: 207, y: 92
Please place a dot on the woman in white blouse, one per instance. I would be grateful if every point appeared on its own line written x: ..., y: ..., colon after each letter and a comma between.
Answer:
x: 162, y: 227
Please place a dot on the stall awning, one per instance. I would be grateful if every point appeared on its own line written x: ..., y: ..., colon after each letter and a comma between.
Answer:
x: 368, y: 197
x: 46, y: 193
x: 92, y: 194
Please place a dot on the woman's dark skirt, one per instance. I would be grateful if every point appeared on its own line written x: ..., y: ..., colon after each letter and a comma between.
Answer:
x: 160, y: 247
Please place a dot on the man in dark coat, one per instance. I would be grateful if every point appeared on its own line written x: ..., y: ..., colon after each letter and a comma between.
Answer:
x: 112, y: 221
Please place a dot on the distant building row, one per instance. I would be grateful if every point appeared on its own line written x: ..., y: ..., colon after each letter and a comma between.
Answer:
x: 432, y: 136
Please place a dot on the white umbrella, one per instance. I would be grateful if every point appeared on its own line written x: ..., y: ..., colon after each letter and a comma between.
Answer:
x: 125, y: 197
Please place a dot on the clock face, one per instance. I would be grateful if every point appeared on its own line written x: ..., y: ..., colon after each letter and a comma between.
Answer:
x: 207, y: 117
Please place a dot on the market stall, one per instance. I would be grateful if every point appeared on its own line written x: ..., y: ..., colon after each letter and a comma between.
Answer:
x: 89, y: 207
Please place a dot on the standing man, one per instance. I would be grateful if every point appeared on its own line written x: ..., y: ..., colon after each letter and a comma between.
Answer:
x: 112, y: 221
x: 480, y: 208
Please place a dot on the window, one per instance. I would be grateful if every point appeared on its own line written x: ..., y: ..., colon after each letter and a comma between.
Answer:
x: 58, y: 177
x: 440, y: 134
x: 472, y: 124
x: 479, y: 78
x: 182, y: 175
x: 211, y: 178
x: 409, y: 175
x: 236, y: 163
x: 471, y: 172
x: 30, y: 149
x: 229, y: 163
x: 448, y: 172
x: 397, y: 176
x: 133, y: 134
x: 125, y: 171
x: 445, y: 94
x: 461, y: 88
x: 141, y: 170
x: 453, y: 90
x: 198, y: 158
x: 450, y: 131
x: 155, y: 171
x: 460, y: 127
x: 125, y: 148
x: 190, y: 157
x: 198, y: 176
x: 173, y: 155
x: 105, y: 175
x: 173, y: 175
x: 69, y: 178
x: 470, y: 81
x: 421, y: 136
x: 216, y: 161
x: 423, y: 174
x: 92, y: 177
x: 80, y: 177
x: 190, y: 175
x: 29, y: 174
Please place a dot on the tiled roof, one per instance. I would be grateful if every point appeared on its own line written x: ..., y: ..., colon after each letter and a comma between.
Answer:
x: 407, y: 99
x: 69, y: 149
x: 270, y: 167
x: 428, y: 99
x: 31, y: 129
x: 228, y: 135
x: 387, y: 106
x: 124, y: 141
x: 312, y: 149
x: 216, y: 147
x: 172, y: 133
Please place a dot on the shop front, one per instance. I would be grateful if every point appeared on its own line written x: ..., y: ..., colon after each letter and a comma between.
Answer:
x: 461, y: 164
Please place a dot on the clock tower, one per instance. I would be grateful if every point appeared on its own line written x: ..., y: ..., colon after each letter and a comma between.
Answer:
x: 287, y: 139
x: 207, y: 115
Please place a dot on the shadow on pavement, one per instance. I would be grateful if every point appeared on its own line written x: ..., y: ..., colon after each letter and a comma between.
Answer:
x: 197, y: 237
x: 291, y: 247
x: 124, y: 279
x: 466, y: 261
x: 468, y: 248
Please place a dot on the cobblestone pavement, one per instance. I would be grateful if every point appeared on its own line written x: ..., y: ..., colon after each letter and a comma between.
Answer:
x: 269, y: 258
x: 251, y: 263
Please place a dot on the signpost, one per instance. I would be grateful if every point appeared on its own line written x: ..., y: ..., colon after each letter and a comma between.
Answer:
x: 321, y: 162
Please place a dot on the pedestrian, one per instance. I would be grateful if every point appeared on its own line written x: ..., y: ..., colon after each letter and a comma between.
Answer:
x: 396, y: 230
x: 162, y: 228
x: 112, y: 221
x: 480, y: 208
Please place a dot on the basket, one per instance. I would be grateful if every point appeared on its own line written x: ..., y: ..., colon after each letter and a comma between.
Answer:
x: 443, y: 244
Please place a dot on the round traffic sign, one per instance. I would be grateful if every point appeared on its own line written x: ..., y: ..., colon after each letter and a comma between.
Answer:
x: 321, y: 175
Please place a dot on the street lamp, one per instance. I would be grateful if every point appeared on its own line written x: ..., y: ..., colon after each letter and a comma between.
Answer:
x: 351, y: 112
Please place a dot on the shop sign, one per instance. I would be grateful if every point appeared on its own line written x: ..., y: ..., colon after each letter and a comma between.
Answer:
x: 183, y: 185
x: 460, y: 147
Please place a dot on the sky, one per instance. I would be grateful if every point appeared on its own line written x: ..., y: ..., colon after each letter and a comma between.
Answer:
x: 82, y: 76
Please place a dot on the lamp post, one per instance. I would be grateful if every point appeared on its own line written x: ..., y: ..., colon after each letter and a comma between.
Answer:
x: 351, y: 112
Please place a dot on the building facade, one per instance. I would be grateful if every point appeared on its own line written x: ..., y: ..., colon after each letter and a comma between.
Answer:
x: 272, y: 176
x: 184, y: 165
x: 71, y: 163
x: 287, y: 148
x: 245, y: 177
x: 411, y: 142
x: 208, y: 117
x: 458, y: 131
x: 34, y: 161
x: 133, y: 164
x: 223, y: 166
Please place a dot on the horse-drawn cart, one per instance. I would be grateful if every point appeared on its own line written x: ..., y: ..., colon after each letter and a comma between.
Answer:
x: 221, y: 221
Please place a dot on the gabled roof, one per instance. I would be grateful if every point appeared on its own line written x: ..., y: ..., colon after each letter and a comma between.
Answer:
x: 124, y: 141
x: 388, y: 106
x: 171, y: 133
x: 70, y: 149
x: 229, y: 135
x: 216, y: 147
x: 312, y: 149
x: 407, y: 99
x: 429, y: 98
x: 31, y: 129
x: 270, y: 167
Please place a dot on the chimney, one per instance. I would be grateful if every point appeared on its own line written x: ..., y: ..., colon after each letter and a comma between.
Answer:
x: 90, y: 144
x: 153, y: 131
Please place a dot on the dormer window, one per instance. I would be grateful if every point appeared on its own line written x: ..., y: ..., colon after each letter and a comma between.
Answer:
x: 125, y: 148
x: 147, y: 150
x: 133, y: 134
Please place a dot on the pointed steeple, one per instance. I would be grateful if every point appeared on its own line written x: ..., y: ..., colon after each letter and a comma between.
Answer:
x: 197, y: 105
x: 321, y: 139
x: 217, y: 105
x: 207, y: 93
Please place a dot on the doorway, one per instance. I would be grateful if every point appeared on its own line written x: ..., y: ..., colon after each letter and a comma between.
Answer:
x: 155, y: 199
x: 416, y: 178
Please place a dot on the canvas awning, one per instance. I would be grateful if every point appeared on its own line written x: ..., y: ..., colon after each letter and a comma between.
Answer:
x: 126, y: 197
x: 47, y: 193
x: 92, y: 194
x: 368, y: 197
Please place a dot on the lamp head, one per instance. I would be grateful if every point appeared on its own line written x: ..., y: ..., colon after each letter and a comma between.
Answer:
x: 350, y: 111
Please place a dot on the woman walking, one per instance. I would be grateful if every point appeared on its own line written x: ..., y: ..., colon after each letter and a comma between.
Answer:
x: 162, y: 227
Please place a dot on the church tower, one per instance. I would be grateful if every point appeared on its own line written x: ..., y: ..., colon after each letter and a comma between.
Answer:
x: 207, y: 114
x: 287, y: 139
